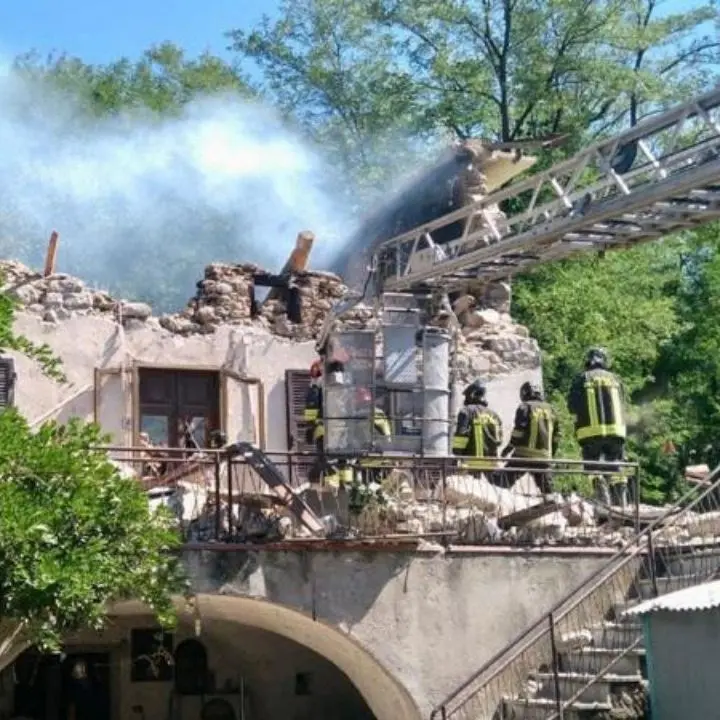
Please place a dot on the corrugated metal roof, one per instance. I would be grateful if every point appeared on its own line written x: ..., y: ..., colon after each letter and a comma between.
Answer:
x: 698, y: 597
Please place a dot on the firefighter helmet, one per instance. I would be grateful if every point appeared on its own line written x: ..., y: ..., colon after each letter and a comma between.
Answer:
x: 530, y: 391
x: 597, y: 357
x: 475, y: 392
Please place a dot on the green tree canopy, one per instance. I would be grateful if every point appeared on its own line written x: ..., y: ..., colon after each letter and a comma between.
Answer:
x: 75, y: 534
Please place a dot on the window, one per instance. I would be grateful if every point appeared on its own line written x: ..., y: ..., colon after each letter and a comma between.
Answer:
x: 297, y: 383
x: 151, y: 655
x: 179, y: 408
x: 7, y: 382
x: 191, y: 668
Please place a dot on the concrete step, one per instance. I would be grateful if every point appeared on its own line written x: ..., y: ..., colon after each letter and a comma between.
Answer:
x: 541, y: 708
x: 616, y: 634
x: 594, y: 660
x: 570, y: 683
x: 645, y: 589
x: 619, y: 608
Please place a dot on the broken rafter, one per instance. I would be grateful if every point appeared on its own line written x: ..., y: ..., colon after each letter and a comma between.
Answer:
x: 296, y: 262
x: 51, y: 255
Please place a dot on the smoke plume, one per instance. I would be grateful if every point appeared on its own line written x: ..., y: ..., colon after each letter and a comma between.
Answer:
x: 142, y: 203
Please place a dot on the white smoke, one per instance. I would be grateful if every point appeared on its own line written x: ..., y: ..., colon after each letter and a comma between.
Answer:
x: 142, y: 203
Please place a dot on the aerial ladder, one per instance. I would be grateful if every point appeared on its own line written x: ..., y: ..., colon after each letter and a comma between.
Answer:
x: 656, y: 178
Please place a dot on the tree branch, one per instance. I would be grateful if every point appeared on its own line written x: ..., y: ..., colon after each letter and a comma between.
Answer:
x: 687, y: 54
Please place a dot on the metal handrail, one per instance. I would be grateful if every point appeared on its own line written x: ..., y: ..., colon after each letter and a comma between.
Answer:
x: 501, y: 660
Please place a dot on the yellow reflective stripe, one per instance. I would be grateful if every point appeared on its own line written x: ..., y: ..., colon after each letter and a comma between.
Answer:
x: 591, y: 400
x: 460, y: 442
x: 532, y: 440
x: 616, y: 430
x: 518, y: 433
x: 528, y: 452
x: 478, y: 437
x: 319, y: 431
x: 310, y: 414
x: 617, y: 407
x: 479, y: 464
x: 537, y: 415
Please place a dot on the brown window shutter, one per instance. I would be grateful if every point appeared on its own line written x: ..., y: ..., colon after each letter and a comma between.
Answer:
x: 297, y: 383
x: 7, y: 382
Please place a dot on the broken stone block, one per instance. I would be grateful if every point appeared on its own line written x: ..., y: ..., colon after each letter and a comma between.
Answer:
x: 206, y: 315
x: 480, y: 528
x: 498, y: 296
x: 26, y: 294
x: 481, y: 318
x: 578, y: 512
x: 53, y: 300
x: 78, y: 301
x: 463, y: 304
x: 137, y: 310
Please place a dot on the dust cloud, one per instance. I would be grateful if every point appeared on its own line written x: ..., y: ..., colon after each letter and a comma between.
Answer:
x: 142, y: 203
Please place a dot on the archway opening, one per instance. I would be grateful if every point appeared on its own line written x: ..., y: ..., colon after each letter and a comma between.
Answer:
x: 236, y: 659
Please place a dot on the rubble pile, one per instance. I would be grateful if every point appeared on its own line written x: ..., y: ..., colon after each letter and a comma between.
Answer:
x: 59, y: 296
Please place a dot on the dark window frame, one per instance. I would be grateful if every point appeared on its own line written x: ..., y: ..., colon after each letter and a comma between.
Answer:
x: 156, y: 643
x: 175, y: 404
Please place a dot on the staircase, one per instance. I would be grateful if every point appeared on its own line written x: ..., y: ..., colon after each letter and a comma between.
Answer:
x: 585, y: 660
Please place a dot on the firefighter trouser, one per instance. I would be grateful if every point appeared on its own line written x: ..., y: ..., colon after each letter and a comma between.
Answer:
x: 539, y: 471
x: 609, y: 480
x: 332, y: 472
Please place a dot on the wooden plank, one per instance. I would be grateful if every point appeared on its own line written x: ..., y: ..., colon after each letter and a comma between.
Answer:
x: 522, y: 517
x: 296, y: 262
x: 51, y: 255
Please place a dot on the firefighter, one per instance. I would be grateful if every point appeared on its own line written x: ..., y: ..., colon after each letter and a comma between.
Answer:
x: 596, y: 401
x: 478, y: 432
x: 332, y: 472
x: 535, y: 436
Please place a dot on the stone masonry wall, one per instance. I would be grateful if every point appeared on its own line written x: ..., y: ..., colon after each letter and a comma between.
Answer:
x: 489, y: 342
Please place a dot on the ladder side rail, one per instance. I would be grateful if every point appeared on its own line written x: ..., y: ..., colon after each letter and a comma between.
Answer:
x: 683, y: 182
x: 642, y: 130
x: 647, y: 169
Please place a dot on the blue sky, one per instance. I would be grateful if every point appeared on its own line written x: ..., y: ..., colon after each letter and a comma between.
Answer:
x: 102, y: 30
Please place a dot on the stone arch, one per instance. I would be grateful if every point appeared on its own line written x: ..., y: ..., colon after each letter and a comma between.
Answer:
x: 386, y: 697
x: 383, y: 693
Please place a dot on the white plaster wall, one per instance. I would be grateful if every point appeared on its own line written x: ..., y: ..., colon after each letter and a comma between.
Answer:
x: 88, y: 343
x: 85, y: 344
x: 429, y: 618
